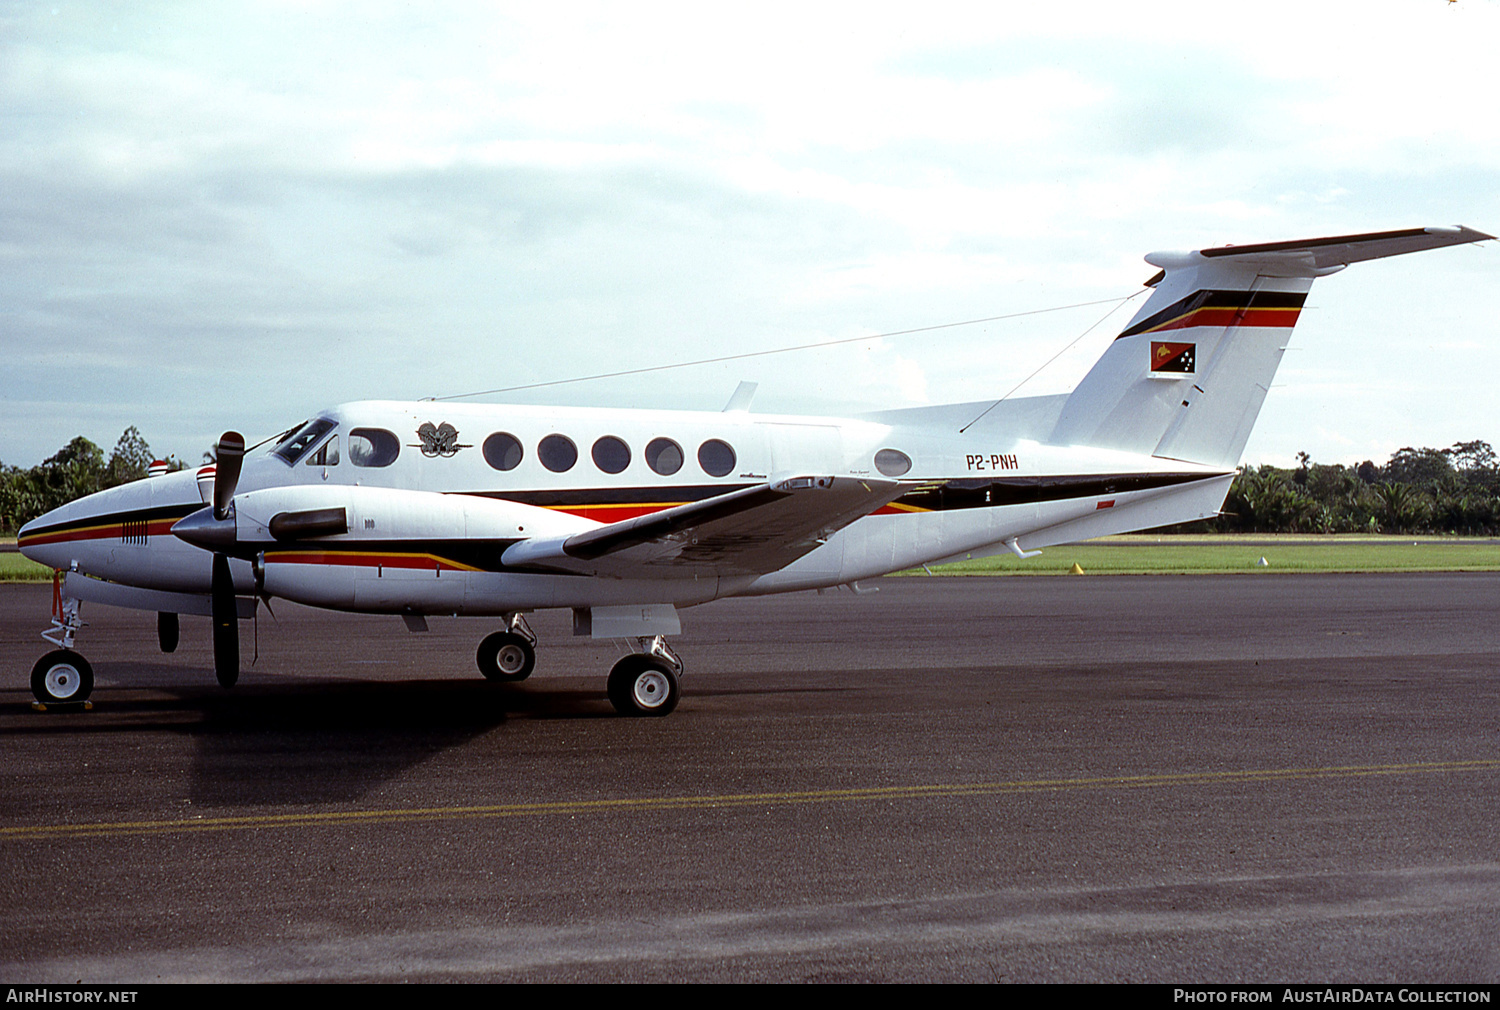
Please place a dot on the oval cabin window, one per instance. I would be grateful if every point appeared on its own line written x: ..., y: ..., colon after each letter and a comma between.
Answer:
x: 557, y: 453
x: 503, y: 451
x: 892, y: 462
x: 716, y: 457
x: 664, y: 456
x: 611, y: 454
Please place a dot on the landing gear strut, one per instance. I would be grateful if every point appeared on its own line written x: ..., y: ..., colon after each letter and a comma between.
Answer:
x: 645, y: 682
x: 508, y: 656
x: 62, y: 676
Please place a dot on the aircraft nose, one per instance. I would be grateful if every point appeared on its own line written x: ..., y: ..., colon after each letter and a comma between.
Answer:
x: 35, y: 546
x: 29, y: 529
x: 201, y: 529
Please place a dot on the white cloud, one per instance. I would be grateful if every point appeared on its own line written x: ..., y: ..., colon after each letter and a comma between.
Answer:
x: 214, y: 214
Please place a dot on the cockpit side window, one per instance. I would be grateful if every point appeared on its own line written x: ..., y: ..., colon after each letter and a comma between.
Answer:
x: 286, y: 436
x: 327, y: 454
x: 298, y: 442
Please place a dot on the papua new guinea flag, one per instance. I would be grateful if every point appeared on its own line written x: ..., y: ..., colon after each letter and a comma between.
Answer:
x: 1170, y: 357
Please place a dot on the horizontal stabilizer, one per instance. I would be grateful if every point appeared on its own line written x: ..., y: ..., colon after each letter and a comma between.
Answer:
x: 1327, y: 254
x: 752, y: 531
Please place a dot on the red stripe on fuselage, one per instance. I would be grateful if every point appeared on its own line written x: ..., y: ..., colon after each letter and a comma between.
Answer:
x: 614, y: 513
x: 97, y: 531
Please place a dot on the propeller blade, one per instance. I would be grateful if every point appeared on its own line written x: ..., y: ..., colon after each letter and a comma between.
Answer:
x: 226, y: 624
x: 229, y: 455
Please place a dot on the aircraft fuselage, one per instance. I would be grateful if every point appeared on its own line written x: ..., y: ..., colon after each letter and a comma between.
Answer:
x: 484, y: 477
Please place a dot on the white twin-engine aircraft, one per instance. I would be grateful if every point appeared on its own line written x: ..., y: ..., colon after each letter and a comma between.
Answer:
x: 624, y: 516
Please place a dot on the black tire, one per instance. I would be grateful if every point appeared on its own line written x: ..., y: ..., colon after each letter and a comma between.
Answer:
x: 641, y: 685
x: 62, y: 677
x: 506, y: 657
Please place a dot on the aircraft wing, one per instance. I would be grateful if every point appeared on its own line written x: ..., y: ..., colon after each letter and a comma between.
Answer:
x: 752, y: 531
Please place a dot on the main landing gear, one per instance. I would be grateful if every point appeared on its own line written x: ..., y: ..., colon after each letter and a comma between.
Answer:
x: 643, y: 683
x: 508, y: 656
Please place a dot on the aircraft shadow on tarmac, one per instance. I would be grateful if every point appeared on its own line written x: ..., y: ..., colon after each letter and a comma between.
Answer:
x: 310, y: 743
x: 284, y: 741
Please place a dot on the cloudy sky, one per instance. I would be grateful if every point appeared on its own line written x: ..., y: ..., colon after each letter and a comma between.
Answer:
x: 221, y: 215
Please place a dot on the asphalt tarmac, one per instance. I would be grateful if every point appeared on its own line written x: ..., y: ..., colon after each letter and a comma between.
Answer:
x: 1194, y: 779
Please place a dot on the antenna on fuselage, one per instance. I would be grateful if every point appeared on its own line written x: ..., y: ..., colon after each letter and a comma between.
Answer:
x: 1113, y: 309
x: 739, y: 402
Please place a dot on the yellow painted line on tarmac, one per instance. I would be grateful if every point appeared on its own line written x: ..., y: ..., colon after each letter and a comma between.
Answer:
x: 35, y: 832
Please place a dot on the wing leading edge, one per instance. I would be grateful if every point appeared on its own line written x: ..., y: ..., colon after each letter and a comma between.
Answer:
x: 752, y: 531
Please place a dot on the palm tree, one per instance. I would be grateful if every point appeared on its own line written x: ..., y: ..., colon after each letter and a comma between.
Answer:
x: 1403, y: 508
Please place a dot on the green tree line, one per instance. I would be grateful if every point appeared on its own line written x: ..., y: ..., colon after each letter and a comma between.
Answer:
x: 77, y: 469
x: 1453, y: 490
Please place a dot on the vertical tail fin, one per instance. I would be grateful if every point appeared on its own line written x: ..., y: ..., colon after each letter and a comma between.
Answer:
x: 1187, y: 376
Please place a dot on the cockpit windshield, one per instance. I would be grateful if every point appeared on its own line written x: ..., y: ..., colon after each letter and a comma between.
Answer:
x: 295, y: 444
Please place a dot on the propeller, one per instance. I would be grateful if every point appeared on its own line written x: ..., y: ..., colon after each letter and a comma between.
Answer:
x: 215, y: 531
x: 228, y: 458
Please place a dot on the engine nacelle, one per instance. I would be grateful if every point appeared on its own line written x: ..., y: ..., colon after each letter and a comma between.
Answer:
x: 373, y: 549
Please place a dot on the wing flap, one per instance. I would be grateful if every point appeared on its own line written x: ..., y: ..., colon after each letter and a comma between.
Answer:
x: 752, y: 531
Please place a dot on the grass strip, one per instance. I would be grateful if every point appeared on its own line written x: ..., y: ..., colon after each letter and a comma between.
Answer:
x: 1183, y: 554
x: 1218, y: 554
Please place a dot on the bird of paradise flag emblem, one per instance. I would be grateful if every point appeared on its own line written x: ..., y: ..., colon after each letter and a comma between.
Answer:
x: 1172, y: 357
x: 439, y: 440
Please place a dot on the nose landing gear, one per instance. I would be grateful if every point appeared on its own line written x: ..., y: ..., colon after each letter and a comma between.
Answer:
x: 62, y: 676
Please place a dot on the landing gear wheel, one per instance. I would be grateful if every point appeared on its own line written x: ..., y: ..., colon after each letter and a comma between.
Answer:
x: 62, y: 677
x: 506, y: 657
x: 642, y: 685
